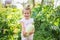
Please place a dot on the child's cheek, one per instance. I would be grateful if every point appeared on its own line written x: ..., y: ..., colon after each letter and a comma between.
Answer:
x: 28, y: 15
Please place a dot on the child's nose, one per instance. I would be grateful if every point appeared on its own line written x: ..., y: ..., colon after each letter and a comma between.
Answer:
x: 26, y: 14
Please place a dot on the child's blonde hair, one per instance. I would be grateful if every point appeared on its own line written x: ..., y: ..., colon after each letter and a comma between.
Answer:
x: 27, y: 8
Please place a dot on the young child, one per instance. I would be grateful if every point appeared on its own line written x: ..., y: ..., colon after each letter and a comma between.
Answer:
x: 25, y: 21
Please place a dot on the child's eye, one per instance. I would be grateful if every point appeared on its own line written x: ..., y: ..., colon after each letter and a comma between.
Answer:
x: 24, y: 13
x: 27, y: 13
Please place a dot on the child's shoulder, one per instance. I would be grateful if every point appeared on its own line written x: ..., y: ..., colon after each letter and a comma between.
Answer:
x: 32, y: 18
x: 22, y: 19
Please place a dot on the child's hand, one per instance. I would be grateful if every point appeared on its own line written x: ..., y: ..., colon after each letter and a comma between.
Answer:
x: 24, y: 33
x: 31, y: 33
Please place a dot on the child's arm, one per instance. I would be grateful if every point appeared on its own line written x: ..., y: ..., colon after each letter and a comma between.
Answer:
x: 34, y: 27
x: 23, y: 29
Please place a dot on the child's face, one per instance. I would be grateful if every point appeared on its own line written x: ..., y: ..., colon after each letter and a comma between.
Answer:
x: 26, y: 13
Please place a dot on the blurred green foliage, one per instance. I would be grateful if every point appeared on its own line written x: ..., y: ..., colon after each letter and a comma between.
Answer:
x: 47, y: 22
x: 9, y: 26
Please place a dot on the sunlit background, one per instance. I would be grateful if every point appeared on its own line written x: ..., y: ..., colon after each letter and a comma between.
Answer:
x: 46, y: 14
x: 21, y: 3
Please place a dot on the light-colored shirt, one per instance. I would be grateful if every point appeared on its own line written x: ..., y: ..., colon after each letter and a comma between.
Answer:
x: 27, y: 22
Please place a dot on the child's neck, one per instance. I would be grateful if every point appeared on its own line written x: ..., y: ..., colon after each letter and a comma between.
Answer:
x: 27, y: 18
